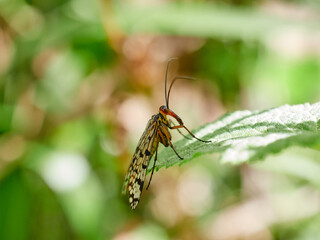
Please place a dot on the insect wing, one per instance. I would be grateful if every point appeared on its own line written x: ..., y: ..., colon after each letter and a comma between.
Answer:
x: 137, y: 171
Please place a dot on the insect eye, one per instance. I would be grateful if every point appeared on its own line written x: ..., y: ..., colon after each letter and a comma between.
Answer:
x: 163, y: 109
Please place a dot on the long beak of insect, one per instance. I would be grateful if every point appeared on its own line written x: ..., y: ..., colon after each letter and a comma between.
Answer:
x: 175, y: 116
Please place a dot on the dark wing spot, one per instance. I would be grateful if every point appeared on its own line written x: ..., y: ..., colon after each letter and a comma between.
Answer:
x: 147, y: 152
x: 141, y: 154
x: 141, y: 185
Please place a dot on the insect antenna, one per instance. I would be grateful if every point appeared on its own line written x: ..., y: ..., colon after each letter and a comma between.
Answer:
x: 176, y: 78
x: 165, y: 83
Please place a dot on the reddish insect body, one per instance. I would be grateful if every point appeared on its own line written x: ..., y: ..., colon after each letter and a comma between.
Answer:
x: 157, y: 131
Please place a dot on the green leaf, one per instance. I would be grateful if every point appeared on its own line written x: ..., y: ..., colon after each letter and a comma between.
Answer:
x: 246, y: 136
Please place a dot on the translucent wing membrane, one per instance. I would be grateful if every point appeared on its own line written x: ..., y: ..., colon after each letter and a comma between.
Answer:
x: 136, y: 175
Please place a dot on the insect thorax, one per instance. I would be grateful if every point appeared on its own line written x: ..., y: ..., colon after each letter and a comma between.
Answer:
x: 162, y: 119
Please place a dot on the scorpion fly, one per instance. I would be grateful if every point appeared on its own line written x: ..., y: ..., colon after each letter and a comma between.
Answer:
x: 157, y: 131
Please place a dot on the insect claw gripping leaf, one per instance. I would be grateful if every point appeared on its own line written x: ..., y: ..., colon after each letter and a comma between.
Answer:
x: 157, y: 131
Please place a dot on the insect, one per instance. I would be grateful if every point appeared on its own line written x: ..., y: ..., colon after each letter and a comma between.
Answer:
x: 157, y: 131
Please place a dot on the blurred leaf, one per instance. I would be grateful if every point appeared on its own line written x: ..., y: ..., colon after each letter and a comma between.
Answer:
x: 206, y: 20
x: 219, y: 61
x: 300, y: 163
x: 57, y: 88
x: 277, y: 80
x: 74, y: 135
x: 5, y: 117
x: 305, y: 229
x: 245, y: 136
x: 13, y: 210
x: 149, y: 231
x: 309, y: 230
x: 75, y: 186
x: 29, y: 208
x: 47, y: 5
x: 308, y: 70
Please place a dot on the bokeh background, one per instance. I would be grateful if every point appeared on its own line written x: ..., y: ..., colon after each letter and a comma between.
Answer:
x: 80, y: 79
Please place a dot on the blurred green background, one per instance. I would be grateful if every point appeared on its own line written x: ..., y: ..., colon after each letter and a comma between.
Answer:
x: 79, y: 81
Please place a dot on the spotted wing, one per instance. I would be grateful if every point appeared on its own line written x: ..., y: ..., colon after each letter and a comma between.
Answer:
x: 137, y: 171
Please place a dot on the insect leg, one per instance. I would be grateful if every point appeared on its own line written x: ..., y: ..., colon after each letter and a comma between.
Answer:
x: 171, y: 145
x: 154, y: 164
x: 183, y: 126
x: 170, y: 122
x: 172, y: 114
x: 165, y: 139
x: 164, y: 134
